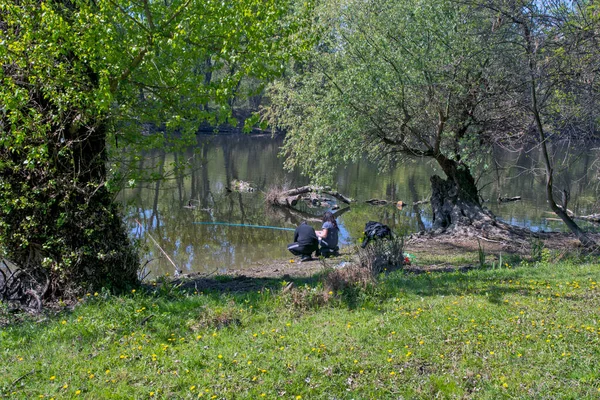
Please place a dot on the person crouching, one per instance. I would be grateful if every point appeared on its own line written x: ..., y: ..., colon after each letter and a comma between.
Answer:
x: 328, y: 236
x: 305, y: 242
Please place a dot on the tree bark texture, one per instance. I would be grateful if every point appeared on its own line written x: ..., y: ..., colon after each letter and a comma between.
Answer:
x: 455, y: 200
x: 74, y: 232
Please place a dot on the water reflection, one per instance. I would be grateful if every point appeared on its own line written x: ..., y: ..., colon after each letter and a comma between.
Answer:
x: 167, y: 210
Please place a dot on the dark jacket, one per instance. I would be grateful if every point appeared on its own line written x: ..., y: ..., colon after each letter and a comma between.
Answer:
x: 305, y: 235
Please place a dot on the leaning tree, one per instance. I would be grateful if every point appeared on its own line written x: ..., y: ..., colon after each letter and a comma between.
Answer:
x: 549, y: 52
x: 393, y: 79
x: 396, y: 79
x: 81, y: 78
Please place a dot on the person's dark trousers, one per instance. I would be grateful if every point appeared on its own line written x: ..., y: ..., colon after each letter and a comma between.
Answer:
x: 300, y: 250
x: 327, y: 251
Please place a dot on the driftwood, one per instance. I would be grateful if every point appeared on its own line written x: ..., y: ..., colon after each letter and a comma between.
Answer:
x: 595, y: 218
x: 508, y: 199
x: 192, y: 206
x: 589, y: 218
x: 377, y: 202
x: 314, y: 200
x: 237, y: 185
x: 290, y: 197
x: 418, y: 203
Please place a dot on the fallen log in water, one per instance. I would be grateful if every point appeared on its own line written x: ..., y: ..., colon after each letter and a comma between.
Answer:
x: 237, y: 185
x: 589, y: 218
x: 595, y: 218
x: 508, y: 199
x: 418, y: 203
x: 377, y: 202
x: 290, y: 197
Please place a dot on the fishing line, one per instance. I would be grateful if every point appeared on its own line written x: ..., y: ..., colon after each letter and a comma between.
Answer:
x: 158, y: 245
x: 245, y: 225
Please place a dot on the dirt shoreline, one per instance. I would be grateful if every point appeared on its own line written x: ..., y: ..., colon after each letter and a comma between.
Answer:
x: 431, y: 253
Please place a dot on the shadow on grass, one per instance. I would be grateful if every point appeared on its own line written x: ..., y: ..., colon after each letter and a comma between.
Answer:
x: 241, y: 284
x: 228, y: 293
x: 489, y: 283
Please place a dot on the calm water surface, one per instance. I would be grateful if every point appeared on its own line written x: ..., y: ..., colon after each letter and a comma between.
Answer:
x: 178, y: 212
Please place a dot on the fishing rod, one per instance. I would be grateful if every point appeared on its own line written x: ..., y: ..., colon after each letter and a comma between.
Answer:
x: 245, y: 225
x: 160, y: 248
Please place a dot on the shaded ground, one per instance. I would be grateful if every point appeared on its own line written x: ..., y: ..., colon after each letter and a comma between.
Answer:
x: 428, y: 252
x: 439, y: 253
x: 272, y: 274
x: 442, y: 244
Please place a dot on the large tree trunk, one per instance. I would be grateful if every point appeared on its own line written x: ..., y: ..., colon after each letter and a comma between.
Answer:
x: 455, y: 200
x: 74, y: 233
x: 94, y: 250
x: 58, y: 220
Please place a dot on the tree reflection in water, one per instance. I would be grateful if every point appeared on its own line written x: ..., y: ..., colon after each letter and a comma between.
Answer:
x: 168, y: 208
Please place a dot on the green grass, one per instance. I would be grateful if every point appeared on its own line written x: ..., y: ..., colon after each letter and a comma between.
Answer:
x: 531, y: 331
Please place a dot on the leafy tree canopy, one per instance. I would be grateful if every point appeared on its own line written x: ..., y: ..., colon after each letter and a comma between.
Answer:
x: 78, y: 75
x: 389, y: 78
x: 442, y: 79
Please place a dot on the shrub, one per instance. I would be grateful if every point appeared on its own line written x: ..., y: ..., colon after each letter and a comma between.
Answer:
x: 382, y: 255
x: 352, y: 276
x: 306, y: 297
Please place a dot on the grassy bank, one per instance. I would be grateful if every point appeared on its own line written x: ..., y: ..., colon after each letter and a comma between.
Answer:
x: 522, y: 331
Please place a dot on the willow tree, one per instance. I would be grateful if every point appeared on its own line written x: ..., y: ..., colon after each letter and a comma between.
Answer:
x: 80, y: 78
x: 548, y: 51
x: 392, y: 79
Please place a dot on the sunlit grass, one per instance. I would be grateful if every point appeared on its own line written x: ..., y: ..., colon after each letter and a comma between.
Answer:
x: 525, y: 331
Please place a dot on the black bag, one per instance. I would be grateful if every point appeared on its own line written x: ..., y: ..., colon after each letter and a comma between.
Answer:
x: 375, y: 230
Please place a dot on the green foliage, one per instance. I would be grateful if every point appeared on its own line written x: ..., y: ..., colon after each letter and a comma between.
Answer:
x: 481, y: 255
x: 570, y: 85
x: 537, y: 249
x: 79, y: 81
x: 440, y: 79
x: 387, y: 79
x: 549, y: 86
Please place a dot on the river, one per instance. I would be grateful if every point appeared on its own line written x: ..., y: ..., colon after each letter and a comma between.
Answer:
x: 174, y: 218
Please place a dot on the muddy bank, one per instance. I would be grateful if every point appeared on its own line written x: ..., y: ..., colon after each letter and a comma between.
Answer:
x: 430, y: 252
